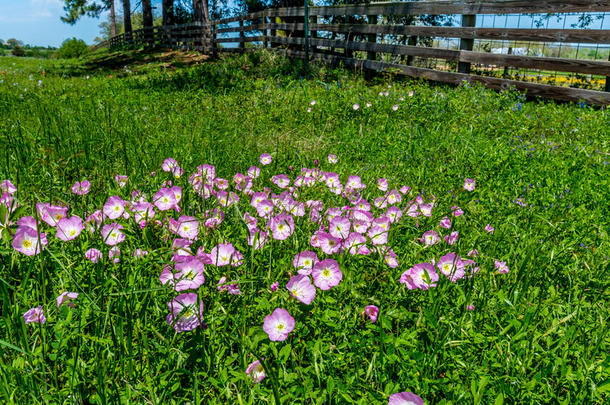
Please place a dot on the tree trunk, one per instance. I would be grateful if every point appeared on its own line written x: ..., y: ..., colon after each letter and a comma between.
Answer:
x: 112, y: 19
x: 200, y: 11
x: 168, y: 12
x: 127, y: 15
x: 147, y: 16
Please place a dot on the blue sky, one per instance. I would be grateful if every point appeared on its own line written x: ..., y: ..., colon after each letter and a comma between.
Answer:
x: 36, y: 22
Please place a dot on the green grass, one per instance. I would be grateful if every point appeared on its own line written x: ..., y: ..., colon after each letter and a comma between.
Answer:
x: 538, y: 334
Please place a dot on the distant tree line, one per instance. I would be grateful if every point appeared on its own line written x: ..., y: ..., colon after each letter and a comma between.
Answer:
x: 15, y: 47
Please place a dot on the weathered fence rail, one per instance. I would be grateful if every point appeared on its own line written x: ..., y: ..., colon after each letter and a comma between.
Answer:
x: 365, y: 45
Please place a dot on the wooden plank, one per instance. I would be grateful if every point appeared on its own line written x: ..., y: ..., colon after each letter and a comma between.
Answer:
x: 466, y: 44
x: 515, y: 34
x: 532, y: 62
x: 531, y: 89
x: 246, y: 39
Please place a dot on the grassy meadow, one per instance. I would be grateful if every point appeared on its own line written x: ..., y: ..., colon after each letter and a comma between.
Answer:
x: 524, y: 319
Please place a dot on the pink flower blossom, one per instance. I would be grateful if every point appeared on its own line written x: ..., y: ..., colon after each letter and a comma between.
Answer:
x: 305, y: 261
x: 356, y: 107
x: 457, y: 211
x: 26, y: 241
x: 332, y: 159
x: 114, y: 254
x: 452, y: 238
x: 222, y: 254
x: 452, y: 266
x: 232, y: 287
x: 405, y: 398
x: 501, y: 267
x: 372, y: 312
x: 282, y: 226
x: 405, y: 190
x: 255, y: 371
x: 470, y: 307
x: 422, y: 275
x: 112, y: 235
x: 253, y: 172
x: 300, y: 287
x: 184, y: 313
x: 93, y: 255
x: 114, y: 207
x: 469, y: 184
x: 188, y: 274
x: 265, y: 159
x: 339, y: 227
x: 165, y: 199
x: 445, y: 223
x: 275, y: 286
x: 81, y: 188
x: 7, y: 187
x: 69, y: 228
x: 326, y: 274
x: 430, y: 238
x: 187, y: 227
x: 35, y: 315
x: 382, y: 184
x: 278, y: 325
x: 355, y: 244
x: 280, y: 180
x: 66, y: 298
x: 121, y: 180
x: 473, y: 253
x: 51, y: 214
x: 489, y: 229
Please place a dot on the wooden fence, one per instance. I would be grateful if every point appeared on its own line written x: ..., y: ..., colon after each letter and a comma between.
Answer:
x: 363, y: 45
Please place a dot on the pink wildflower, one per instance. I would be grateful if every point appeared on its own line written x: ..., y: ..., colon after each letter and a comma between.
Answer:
x: 93, y: 255
x: 256, y: 372
x: 422, y: 275
x: 66, y: 298
x: 265, y: 159
x: 405, y: 398
x: 278, y: 325
x: 81, y: 188
x: 326, y: 274
x: 35, y: 315
x: 469, y: 184
x: 184, y: 313
x: 69, y: 228
x: 372, y: 312
x: 300, y: 287
x: 112, y: 235
x: 26, y: 241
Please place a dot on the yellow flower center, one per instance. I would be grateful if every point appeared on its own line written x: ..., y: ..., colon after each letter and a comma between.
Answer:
x: 326, y: 273
x: 27, y: 244
x: 280, y: 326
x: 72, y: 232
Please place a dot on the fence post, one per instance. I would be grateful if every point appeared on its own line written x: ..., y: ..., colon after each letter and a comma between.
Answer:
x: 242, y: 35
x: 264, y: 21
x: 314, y: 34
x: 608, y: 79
x: 213, y: 40
x: 468, y: 20
x: 306, y: 27
x: 412, y: 41
x: 371, y: 55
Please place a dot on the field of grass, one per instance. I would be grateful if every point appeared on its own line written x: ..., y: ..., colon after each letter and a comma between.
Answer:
x: 535, y: 334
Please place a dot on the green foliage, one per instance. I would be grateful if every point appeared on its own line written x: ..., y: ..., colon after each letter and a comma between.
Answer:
x: 17, y: 51
x: 72, y: 48
x: 538, y: 334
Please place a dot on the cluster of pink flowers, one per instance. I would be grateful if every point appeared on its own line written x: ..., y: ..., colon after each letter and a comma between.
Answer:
x: 357, y: 226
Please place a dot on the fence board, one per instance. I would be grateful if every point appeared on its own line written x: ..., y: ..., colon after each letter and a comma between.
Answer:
x: 557, y: 64
x: 515, y: 34
x: 531, y: 89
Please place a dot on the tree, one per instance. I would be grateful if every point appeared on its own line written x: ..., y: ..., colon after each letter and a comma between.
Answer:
x: 168, y: 12
x: 127, y: 16
x: 75, y: 9
x: 13, y: 43
x: 72, y: 48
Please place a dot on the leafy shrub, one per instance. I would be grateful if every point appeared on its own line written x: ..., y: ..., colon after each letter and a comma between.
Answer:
x: 72, y: 48
x: 18, y: 51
